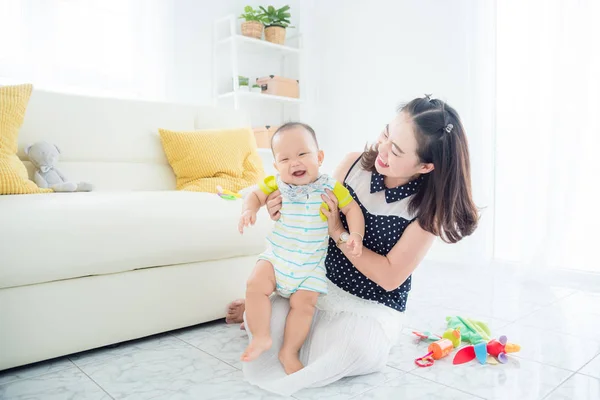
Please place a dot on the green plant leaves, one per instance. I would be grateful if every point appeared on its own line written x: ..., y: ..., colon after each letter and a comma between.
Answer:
x: 268, y: 16
x: 275, y: 17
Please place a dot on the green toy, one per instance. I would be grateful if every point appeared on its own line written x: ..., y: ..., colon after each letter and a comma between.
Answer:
x: 471, y: 331
x: 454, y: 336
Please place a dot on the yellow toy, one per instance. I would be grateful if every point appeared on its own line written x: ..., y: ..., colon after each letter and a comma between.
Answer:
x: 227, y: 194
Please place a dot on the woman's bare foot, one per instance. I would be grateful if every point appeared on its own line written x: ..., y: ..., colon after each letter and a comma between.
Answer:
x: 256, y: 347
x: 290, y: 361
x: 235, y: 312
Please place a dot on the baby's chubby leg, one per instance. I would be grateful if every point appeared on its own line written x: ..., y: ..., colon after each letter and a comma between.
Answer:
x: 259, y: 287
x: 297, y: 326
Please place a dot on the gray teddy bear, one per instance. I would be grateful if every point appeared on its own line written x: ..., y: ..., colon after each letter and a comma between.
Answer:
x: 44, y: 156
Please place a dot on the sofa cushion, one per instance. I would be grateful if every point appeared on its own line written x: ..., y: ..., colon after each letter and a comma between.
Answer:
x: 203, y: 160
x: 13, y: 174
x: 70, y: 235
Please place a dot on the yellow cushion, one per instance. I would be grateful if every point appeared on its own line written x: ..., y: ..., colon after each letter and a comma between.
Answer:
x: 203, y: 160
x: 13, y: 174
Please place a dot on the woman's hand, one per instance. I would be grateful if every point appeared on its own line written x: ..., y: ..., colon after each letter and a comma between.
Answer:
x: 334, y: 221
x: 274, y: 205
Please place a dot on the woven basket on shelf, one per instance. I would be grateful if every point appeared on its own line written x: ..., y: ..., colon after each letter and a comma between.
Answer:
x: 275, y: 34
x: 252, y: 29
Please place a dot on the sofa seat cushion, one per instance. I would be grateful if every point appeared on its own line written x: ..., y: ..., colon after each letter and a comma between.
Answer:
x: 69, y: 235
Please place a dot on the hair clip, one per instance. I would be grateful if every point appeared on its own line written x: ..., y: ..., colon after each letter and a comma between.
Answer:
x: 428, y: 97
x: 449, y: 128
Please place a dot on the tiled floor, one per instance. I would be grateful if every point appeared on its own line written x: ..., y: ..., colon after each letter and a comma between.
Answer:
x: 556, y: 323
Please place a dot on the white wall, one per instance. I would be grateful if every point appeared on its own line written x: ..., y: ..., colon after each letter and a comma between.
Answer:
x: 369, y: 58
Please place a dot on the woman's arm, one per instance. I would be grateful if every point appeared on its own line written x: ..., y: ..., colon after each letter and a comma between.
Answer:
x: 392, y: 270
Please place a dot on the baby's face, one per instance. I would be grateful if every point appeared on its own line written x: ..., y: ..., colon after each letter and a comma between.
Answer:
x: 297, y: 157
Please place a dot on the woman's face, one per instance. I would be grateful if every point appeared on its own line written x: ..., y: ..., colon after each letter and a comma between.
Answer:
x: 398, y: 151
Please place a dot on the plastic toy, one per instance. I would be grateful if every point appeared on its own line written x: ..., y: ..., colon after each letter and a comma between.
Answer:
x: 227, y: 194
x: 451, y: 334
x: 454, y: 336
x: 427, y: 335
x: 471, y: 331
x: 497, y: 349
x: 437, y: 350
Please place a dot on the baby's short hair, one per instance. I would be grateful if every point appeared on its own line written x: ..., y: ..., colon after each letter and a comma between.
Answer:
x: 290, y: 125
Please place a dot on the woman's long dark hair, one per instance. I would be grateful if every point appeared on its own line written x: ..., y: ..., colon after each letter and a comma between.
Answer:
x: 444, y: 205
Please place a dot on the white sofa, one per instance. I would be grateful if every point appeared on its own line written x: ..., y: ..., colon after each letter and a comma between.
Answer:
x: 132, y: 258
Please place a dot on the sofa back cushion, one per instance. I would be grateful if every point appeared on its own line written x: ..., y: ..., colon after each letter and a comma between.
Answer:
x: 114, y: 143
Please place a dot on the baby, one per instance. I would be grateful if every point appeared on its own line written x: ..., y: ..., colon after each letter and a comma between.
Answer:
x: 293, y: 264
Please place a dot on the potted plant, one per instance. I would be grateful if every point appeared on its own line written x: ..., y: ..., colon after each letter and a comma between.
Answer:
x: 256, y: 88
x: 253, y: 26
x: 243, y: 82
x: 276, y: 22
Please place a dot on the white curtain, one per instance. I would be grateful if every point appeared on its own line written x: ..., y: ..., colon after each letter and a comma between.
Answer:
x: 97, y: 47
x: 548, y: 133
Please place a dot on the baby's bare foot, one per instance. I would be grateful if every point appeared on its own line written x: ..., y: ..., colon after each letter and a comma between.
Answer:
x: 290, y: 361
x: 235, y: 312
x: 256, y: 347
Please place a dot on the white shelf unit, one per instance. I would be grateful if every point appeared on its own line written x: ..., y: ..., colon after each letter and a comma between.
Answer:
x: 259, y: 97
x: 228, y: 42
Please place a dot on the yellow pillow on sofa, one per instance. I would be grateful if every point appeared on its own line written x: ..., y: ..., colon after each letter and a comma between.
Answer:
x: 13, y: 174
x: 202, y: 160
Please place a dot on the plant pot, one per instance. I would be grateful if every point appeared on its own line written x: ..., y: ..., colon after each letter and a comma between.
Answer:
x: 275, y: 34
x: 244, y: 88
x: 253, y: 29
x: 256, y: 89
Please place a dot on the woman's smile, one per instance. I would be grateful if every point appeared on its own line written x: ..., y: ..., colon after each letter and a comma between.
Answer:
x: 381, y: 163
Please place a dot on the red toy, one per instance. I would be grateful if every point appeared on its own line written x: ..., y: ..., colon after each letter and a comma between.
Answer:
x: 495, y: 348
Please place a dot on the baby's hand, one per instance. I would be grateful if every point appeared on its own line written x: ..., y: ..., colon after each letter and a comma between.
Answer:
x: 355, y: 244
x: 248, y: 218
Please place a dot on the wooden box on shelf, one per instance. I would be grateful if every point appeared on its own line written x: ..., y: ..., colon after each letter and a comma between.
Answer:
x: 279, y: 86
x: 263, y: 136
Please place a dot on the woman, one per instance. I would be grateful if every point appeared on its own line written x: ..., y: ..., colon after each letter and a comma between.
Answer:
x: 412, y: 185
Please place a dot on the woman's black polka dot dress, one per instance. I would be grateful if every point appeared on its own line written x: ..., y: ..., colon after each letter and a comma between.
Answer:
x: 386, y: 217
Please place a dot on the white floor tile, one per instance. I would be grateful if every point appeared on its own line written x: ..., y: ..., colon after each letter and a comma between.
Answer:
x: 66, y: 384
x: 407, y: 349
x: 518, y: 379
x: 227, y: 387
x: 226, y: 342
x: 593, y: 368
x: 349, y: 387
x: 552, y: 348
x: 31, y: 371
x: 578, y: 387
x: 105, y: 353
x: 565, y: 320
x: 150, y: 372
x: 582, y: 302
x: 414, y: 388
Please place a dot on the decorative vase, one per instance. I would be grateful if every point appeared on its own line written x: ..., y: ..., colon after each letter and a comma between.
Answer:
x: 244, y: 88
x: 255, y: 89
x: 253, y: 29
x: 275, y: 34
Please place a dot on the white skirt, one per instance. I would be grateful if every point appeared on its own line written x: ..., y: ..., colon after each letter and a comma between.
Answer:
x: 349, y: 336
